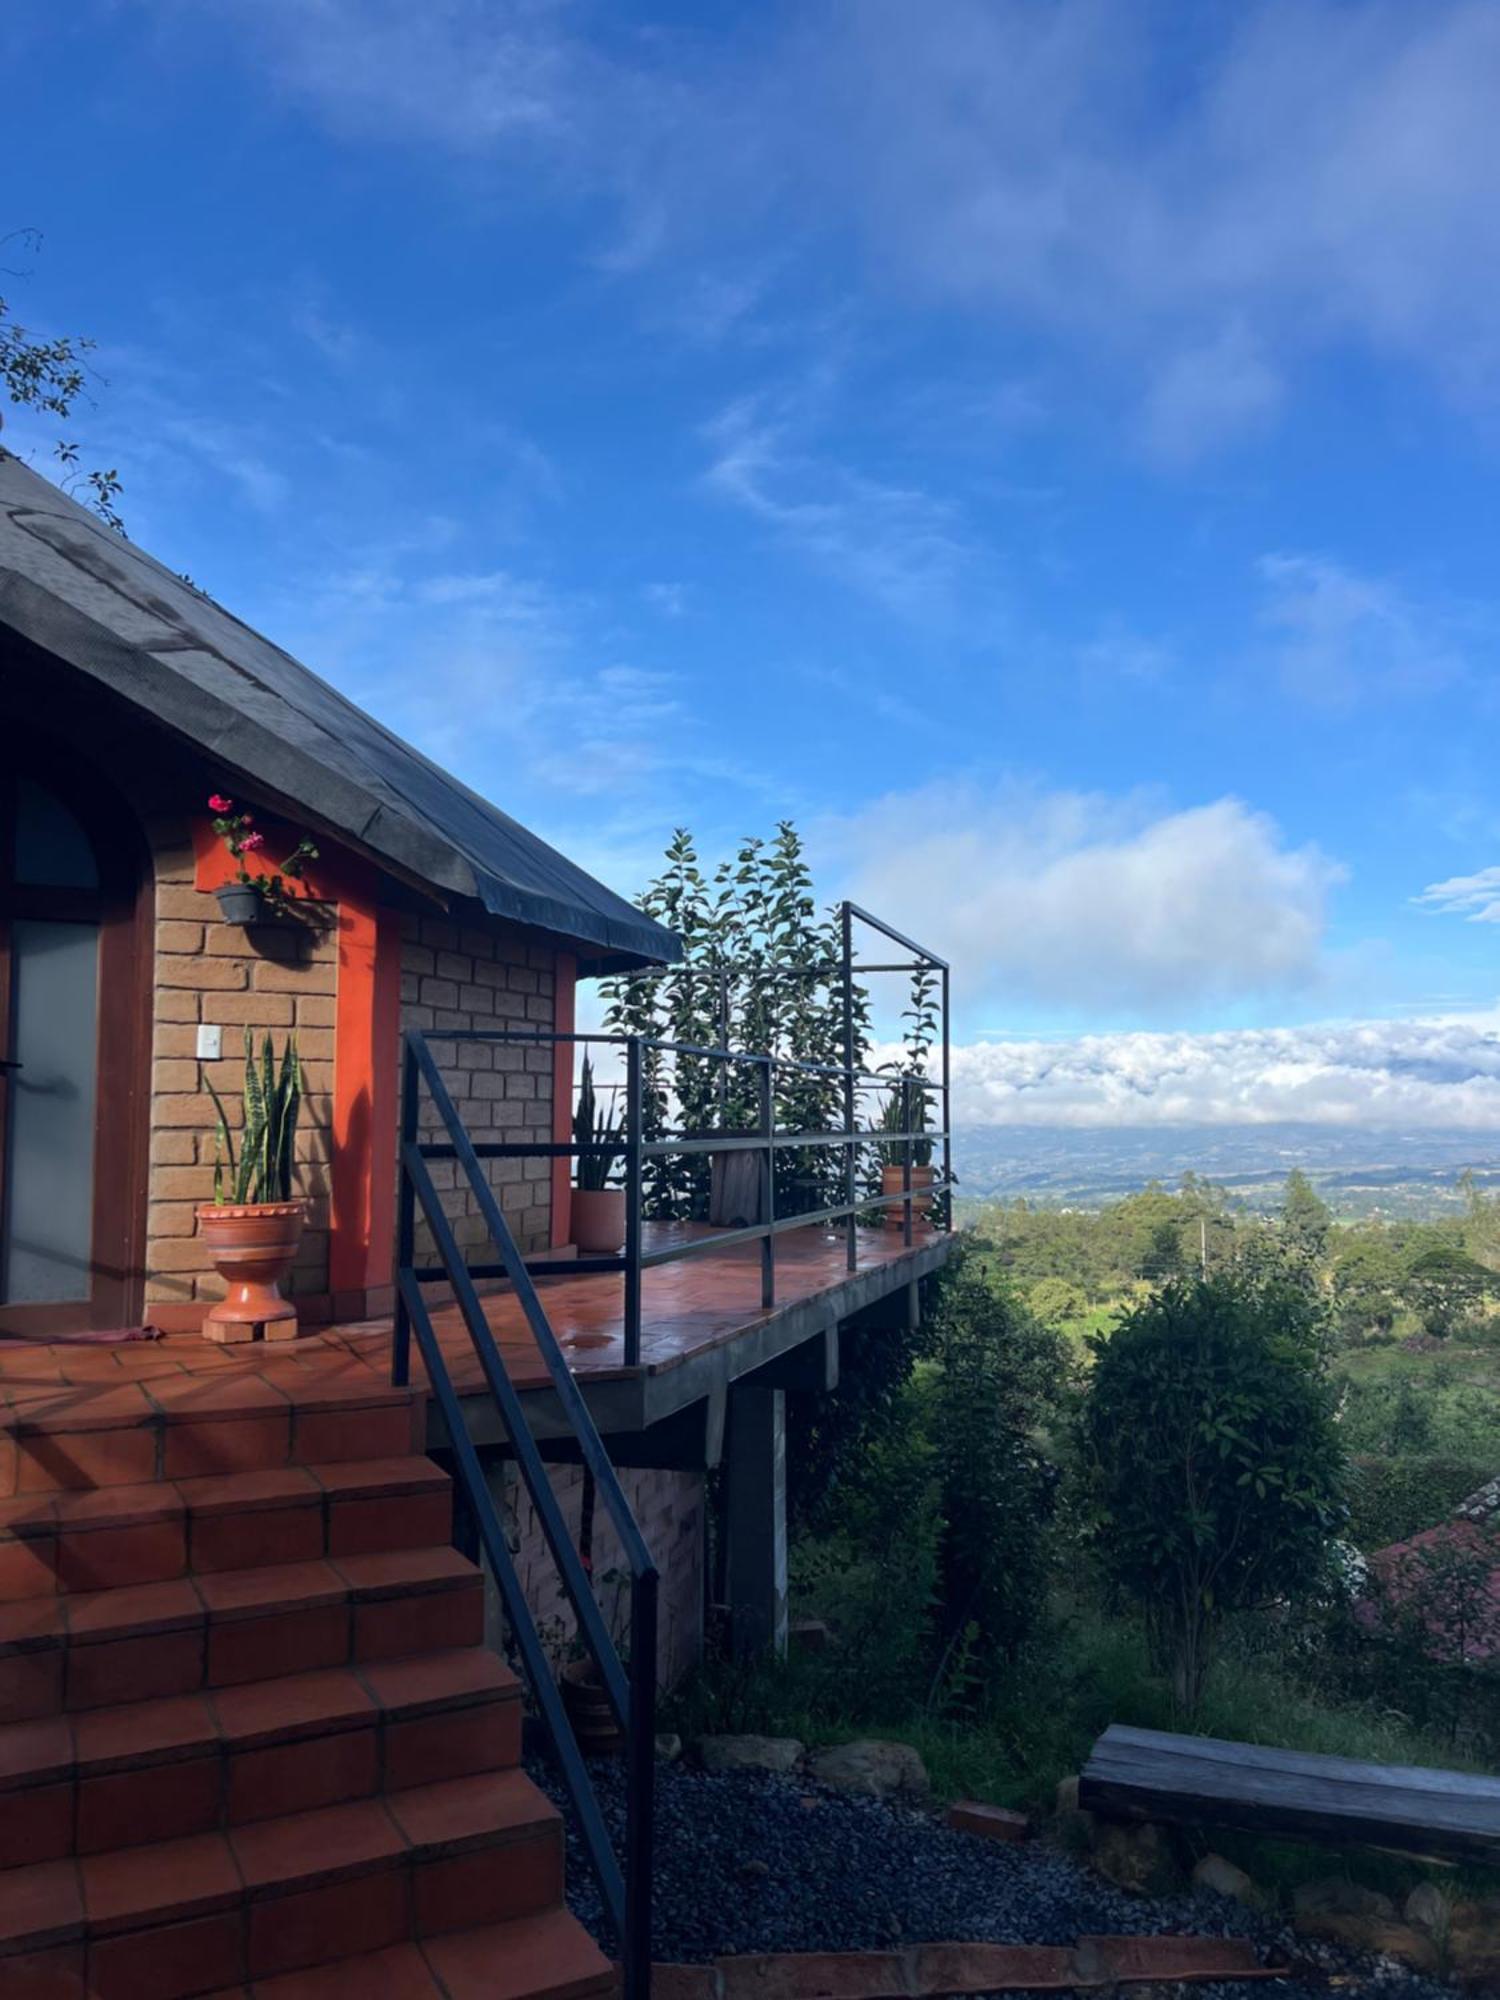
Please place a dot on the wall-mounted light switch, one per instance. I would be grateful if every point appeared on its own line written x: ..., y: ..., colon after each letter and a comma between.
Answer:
x: 210, y: 1043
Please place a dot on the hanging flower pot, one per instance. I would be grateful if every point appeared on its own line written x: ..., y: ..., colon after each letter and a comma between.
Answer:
x: 239, y: 902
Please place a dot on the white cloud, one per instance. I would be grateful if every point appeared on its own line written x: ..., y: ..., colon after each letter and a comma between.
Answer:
x: 1081, y: 902
x: 1200, y: 202
x: 1476, y: 898
x: 1340, y: 637
x: 897, y: 545
x: 1441, y: 1072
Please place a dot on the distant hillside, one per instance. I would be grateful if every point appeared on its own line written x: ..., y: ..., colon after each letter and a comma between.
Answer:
x: 1357, y: 1172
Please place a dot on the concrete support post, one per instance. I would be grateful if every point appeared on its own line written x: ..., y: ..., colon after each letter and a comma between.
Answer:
x: 755, y: 1508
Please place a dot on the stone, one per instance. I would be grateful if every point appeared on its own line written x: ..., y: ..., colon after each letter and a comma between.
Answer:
x: 1427, y: 1908
x: 809, y: 1635
x: 1067, y: 1795
x: 872, y: 1767
x: 668, y: 1749
x: 1137, y: 1857
x: 1224, y: 1879
x: 780, y: 1754
x: 988, y: 1822
x: 1372, y: 1936
x: 1337, y: 1896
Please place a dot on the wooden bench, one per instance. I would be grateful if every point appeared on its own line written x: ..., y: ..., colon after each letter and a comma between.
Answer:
x: 1146, y: 1774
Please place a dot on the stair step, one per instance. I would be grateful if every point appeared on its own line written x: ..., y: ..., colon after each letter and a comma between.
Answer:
x: 147, y: 1641
x: 161, y: 1770
x: 188, y: 1916
x: 65, y: 1437
x: 547, y: 1957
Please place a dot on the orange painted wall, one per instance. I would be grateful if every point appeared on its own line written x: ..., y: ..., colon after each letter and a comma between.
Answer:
x: 565, y: 1017
x: 367, y: 1011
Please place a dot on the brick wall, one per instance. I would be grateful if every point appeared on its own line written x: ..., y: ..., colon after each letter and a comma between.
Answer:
x: 458, y: 977
x: 210, y: 971
x: 669, y: 1508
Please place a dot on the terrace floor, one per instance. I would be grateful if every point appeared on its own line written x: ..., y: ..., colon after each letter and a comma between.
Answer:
x: 691, y: 1308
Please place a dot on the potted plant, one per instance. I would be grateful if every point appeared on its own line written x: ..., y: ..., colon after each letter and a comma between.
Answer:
x: 253, y: 1224
x: 893, y: 1153
x: 255, y: 899
x: 598, y: 1208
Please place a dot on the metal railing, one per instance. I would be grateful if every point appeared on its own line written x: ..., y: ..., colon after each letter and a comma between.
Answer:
x: 636, y: 1258
x: 631, y: 1690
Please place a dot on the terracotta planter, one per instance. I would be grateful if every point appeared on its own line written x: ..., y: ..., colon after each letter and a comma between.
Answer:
x: 599, y: 1220
x: 252, y: 1245
x: 891, y: 1182
x: 588, y: 1709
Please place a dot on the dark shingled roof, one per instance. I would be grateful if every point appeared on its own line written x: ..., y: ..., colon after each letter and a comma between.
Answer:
x: 112, y: 612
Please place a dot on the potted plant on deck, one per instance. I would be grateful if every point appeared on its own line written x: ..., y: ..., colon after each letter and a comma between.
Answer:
x: 898, y: 1106
x: 598, y: 1208
x: 253, y: 1224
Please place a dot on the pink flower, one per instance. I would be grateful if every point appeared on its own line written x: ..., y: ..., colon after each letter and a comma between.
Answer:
x: 219, y: 804
x: 253, y: 840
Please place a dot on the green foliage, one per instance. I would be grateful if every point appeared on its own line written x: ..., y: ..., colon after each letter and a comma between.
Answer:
x: 1445, y: 1287
x: 1367, y: 1283
x: 830, y: 1437
x: 999, y: 1373
x: 1306, y: 1219
x: 758, y: 973
x: 1213, y: 1459
x: 266, y: 1164
x: 596, y: 1126
x: 50, y: 376
x: 906, y: 1111
x: 1055, y: 1300
x: 1424, y: 1407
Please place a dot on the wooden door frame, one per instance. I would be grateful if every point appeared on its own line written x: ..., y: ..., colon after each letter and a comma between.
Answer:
x: 126, y: 919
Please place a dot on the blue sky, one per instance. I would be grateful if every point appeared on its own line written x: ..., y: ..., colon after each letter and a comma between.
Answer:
x: 1047, y: 450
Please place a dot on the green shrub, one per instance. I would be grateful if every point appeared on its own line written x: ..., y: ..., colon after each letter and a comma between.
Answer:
x: 1214, y: 1462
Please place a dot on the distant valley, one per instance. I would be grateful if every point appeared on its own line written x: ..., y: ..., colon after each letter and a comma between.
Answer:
x: 1358, y: 1172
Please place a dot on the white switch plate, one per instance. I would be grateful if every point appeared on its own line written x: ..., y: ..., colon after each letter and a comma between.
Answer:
x: 210, y: 1042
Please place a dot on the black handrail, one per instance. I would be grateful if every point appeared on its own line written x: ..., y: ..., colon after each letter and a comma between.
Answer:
x: 632, y: 1693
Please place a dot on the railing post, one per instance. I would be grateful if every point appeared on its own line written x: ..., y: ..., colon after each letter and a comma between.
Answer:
x: 851, y: 1235
x: 640, y: 1795
x: 906, y: 1152
x: 768, y: 1186
x: 406, y: 1217
x: 634, y: 1119
x: 947, y: 1120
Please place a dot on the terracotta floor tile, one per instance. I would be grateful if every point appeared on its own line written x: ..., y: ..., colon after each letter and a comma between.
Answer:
x: 113, y: 1739
x: 279, y: 1711
x: 35, y: 1753
x: 439, y: 1680
x: 170, y: 1963
x: 42, y: 1903
x: 549, y: 1957
x: 240, y: 1593
x: 470, y: 1812
x: 401, y: 1572
x: 116, y: 1506
x: 31, y: 1624
x: 199, y: 1398
x: 398, y: 1974
x: 338, y: 1919
x: 244, y: 1492
x: 321, y: 1846
x: 170, y: 1881
x: 140, y: 1608
x: 107, y: 1406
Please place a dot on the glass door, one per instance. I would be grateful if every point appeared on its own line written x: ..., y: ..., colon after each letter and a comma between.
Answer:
x: 64, y: 1254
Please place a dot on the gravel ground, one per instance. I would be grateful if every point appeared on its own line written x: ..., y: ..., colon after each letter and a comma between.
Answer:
x: 751, y: 1863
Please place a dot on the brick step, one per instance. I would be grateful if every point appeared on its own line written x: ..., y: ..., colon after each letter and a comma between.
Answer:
x: 185, y: 1917
x: 549, y: 1957
x: 101, y: 1648
x: 110, y: 1537
x: 71, y: 1437
x: 160, y: 1770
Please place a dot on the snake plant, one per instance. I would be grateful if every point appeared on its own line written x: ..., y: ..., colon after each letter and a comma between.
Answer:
x: 273, y: 1095
x: 594, y: 1126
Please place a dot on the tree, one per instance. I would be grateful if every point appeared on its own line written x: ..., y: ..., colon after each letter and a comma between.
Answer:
x: 1367, y: 1281
x: 1055, y: 1299
x: 1444, y: 1286
x: 50, y: 377
x: 1306, y: 1218
x: 1215, y: 1469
